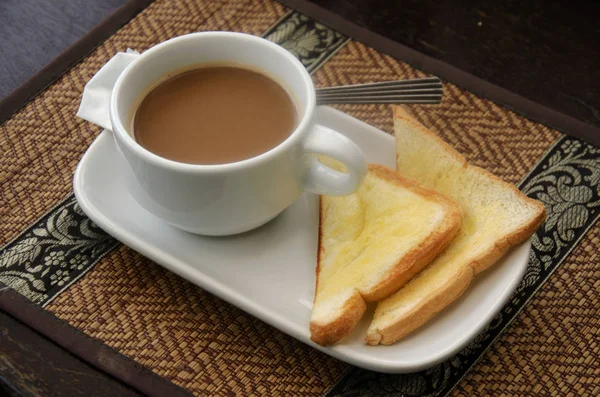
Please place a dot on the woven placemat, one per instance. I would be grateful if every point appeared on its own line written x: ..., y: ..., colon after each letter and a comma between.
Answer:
x: 544, y: 341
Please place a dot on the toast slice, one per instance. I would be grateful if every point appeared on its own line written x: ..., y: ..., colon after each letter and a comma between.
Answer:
x: 372, y: 242
x: 497, y: 216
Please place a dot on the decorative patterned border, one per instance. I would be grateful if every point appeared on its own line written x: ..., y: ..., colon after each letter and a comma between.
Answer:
x: 312, y: 43
x: 567, y: 181
x: 53, y: 253
x: 64, y: 244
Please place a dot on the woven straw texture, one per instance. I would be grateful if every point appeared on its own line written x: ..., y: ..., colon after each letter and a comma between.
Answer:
x: 553, y: 348
x: 188, y: 335
x: 209, y: 347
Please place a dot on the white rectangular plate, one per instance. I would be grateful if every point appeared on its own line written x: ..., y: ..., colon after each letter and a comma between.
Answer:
x: 270, y: 272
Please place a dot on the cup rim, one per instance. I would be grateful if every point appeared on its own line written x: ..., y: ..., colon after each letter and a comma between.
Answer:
x: 121, y: 132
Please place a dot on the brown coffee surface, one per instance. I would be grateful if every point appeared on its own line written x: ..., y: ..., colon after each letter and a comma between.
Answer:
x: 214, y: 115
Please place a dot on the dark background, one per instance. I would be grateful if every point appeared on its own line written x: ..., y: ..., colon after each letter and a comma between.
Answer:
x: 33, y: 32
x: 545, y: 51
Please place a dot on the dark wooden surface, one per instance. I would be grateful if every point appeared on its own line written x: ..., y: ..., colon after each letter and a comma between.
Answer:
x: 31, y: 365
x: 546, y: 51
x: 43, y: 355
x: 33, y: 32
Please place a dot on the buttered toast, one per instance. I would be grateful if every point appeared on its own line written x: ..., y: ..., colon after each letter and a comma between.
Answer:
x: 373, y: 241
x: 497, y: 216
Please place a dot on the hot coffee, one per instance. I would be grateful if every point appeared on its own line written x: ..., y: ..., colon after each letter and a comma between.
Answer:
x: 214, y: 115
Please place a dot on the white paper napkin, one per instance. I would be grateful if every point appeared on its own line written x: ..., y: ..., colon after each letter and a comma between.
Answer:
x: 96, y: 94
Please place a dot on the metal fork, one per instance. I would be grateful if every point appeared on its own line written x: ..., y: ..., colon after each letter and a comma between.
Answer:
x: 426, y: 91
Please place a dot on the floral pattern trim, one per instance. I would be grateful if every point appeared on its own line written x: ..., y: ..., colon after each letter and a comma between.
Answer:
x: 567, y: 181
x: 55, y: 251
x: 311, y: 42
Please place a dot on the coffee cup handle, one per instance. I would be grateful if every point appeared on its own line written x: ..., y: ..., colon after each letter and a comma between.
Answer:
x: 321, y: 179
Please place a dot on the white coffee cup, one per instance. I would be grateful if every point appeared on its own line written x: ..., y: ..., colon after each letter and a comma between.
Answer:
x: 229, y: 198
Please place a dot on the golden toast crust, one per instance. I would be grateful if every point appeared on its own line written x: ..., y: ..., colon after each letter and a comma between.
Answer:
x: 453, y: 288
x: 326, y: 334
x: 424, y: 253
x: 410, y: 263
